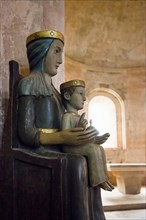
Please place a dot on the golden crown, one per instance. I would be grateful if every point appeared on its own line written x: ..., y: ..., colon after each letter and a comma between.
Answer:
x: 45, y: 34
x: 71, y: 83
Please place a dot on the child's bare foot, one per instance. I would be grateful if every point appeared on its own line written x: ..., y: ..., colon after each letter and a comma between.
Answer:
x: 105, y: 186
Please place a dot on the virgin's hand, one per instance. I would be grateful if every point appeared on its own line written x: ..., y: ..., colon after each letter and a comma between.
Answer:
x: 77, y: 136
x: 74, y: 136
x: 91, y: 127
x: 102, y: 139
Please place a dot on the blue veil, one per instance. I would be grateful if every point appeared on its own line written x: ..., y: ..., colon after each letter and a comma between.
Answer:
x: 36, y: 53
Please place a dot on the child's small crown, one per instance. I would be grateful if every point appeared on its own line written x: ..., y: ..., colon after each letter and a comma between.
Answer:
x: 72, y: 83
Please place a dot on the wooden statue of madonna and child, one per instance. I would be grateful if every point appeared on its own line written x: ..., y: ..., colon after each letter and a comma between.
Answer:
x: 46, y: 128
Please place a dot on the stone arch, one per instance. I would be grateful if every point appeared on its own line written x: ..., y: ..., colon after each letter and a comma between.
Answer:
x: 120, y: 112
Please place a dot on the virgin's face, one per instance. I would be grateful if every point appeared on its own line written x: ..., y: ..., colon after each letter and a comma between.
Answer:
x: 53, y: 58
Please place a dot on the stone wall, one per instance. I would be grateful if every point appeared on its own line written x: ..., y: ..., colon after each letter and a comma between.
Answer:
x: 105, y: 46
x: 18, y: 20
x: 106, y: 33
x: 129, y: 84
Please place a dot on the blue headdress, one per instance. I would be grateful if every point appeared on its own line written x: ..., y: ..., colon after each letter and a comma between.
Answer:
x: 38, y: 45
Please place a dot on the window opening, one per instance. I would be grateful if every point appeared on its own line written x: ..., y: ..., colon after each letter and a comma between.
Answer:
x: 102, y: 112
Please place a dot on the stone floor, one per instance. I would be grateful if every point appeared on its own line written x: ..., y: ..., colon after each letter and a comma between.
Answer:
x: 139, y: 214
x: 118, y: 206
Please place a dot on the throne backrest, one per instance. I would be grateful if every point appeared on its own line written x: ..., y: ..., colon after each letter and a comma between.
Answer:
x: 13, y: 82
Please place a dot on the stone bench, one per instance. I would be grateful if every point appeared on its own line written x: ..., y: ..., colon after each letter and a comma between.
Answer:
x: 128, y: 176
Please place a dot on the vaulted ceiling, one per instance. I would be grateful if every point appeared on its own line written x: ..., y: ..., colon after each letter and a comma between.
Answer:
x: 107, y: 33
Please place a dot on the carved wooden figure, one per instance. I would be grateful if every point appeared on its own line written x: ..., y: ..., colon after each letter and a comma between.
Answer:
x: 73, y: 98
x: 41, y: 182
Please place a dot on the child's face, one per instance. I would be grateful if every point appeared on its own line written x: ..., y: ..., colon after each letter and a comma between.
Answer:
x: 78, y: 98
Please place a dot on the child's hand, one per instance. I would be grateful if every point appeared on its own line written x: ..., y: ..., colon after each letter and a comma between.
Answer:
x: 83, y: 122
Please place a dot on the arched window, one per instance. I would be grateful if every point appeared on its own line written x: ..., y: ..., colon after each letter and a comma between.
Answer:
x: 102, y: 112
x: 106, y: 110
